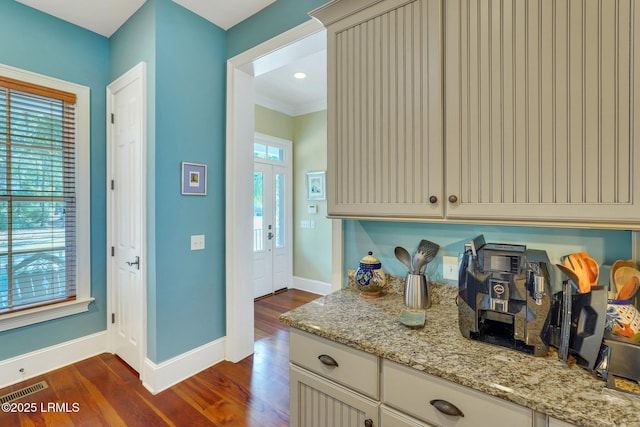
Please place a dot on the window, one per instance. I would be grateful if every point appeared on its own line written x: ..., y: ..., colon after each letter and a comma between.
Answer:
x: 44, y: 207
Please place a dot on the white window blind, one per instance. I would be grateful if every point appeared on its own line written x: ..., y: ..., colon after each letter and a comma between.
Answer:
x: 37, y: 196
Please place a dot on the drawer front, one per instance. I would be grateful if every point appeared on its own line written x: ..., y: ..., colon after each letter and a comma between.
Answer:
x: 391, y: 418
x: 355, y: 369
x: 412, y: 391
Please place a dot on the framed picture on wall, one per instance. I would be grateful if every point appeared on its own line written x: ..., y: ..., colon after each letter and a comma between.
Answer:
x: 194, y: 179
x: 316, y: 185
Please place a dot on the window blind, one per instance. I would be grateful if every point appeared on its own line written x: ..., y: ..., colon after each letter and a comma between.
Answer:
x: 37, y: 195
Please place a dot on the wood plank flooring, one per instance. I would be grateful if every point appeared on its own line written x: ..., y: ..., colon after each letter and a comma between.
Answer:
x: 104, y: 391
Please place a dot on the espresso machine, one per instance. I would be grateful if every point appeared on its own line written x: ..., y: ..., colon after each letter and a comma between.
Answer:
x: 504, y: 295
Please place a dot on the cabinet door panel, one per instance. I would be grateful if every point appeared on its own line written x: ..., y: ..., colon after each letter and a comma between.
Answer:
x: 540, y: 102
x: 316, y: 402
x: 385, y: 130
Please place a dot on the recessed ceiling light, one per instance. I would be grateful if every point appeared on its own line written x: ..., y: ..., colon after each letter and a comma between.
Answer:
x: 300, y: 75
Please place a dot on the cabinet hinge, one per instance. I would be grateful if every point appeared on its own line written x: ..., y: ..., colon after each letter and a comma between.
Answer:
x: 113, y: 118
x: 113, y: 185
x: 113, y: 251
x: 113, y: 318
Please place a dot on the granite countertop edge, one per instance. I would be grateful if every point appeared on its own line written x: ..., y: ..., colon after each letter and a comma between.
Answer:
x: 545, y: 384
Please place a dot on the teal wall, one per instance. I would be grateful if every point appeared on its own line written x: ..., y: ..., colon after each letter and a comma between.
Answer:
x: 37, y: 42
x: 605, y: 246
x: 185, y: 55
x: 275, y: 19
x: 190, y: 126
x: 135, y: 41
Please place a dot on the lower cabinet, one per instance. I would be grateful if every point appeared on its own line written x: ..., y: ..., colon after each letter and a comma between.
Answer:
x: 317, y: 402
x: 335, y: 385
x: 438, y: 402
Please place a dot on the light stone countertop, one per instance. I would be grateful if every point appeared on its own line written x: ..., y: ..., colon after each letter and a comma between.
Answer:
x: 545, y: 384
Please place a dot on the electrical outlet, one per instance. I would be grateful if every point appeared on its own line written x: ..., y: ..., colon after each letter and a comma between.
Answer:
x: 450, y: 268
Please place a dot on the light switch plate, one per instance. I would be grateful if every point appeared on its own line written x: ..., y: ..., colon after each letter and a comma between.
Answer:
x: 197, y: 242
x: 450, y: 268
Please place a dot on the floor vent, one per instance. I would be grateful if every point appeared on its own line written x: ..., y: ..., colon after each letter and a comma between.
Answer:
x: 23, y: 392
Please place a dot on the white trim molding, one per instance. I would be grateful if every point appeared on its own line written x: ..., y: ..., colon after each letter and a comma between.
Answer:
x: 313, y: 286
x: 240, y: 126
x: 43, y: 314
x: 29, y: 365
x: 159, y: 377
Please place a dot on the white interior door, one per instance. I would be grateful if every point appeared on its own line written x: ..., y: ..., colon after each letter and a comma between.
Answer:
x: 126, y: 219
x: 272, y: 218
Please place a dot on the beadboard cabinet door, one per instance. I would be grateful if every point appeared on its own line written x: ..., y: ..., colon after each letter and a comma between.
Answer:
x: 542, y: 106
x: 316, y: 401
x: 385, y: 109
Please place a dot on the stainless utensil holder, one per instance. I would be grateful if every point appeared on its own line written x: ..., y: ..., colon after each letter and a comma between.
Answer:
x: 416, y: 292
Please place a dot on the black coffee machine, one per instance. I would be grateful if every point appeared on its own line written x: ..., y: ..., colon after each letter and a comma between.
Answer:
x: 504, y: 295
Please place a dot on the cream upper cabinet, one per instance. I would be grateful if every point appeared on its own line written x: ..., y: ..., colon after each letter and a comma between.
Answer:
x: 385, y: 151
x: 542, y: 110
x: 484, y: 110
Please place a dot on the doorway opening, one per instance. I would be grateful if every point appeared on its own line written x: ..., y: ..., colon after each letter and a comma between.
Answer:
x: 241, y: 101
x: 272, y: 215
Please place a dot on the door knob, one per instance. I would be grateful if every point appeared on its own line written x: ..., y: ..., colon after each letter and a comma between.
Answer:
x: 136, y: 263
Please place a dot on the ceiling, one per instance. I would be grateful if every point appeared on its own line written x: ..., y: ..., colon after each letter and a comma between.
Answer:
x: 106, y: 16
x: 274, y: 84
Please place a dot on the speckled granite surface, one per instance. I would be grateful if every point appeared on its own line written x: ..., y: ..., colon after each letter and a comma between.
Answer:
x: 545, y: 384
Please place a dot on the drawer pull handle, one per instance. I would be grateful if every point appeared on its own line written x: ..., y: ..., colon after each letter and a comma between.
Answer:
x: 368, y: 422
x: 447, y: 408
x: 328, y: 360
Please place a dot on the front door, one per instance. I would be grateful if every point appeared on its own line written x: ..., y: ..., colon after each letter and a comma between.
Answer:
x: 271, y: 219
x: 126, y: 222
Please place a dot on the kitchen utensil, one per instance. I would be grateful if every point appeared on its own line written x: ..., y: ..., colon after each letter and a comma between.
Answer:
x: 416, y: 292
x: 622, y: 276
x: 614, y: 267
x: 418, y: 261
x: 425, y: 253
x: 629, y: 288
x: 403, y: 256
x: 573, y: 278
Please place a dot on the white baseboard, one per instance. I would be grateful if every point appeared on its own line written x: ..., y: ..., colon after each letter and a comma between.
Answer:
x: 159, y: 377
x: 50, y: 358
x: 313, y: 286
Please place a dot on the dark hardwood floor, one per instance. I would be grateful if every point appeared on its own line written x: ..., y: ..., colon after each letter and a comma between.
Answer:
x: 104, y: 391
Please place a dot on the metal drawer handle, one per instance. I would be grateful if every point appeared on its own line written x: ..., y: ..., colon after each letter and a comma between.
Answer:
x: 368, y: 422
x: 447, y: 408
x: 328, y: 360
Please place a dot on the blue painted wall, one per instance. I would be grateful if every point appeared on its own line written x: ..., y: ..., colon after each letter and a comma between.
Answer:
x: 605, y: 246
x: 37, y: 42
x: 190, y: 120
x: 185, y: 55
x: 275, y: 19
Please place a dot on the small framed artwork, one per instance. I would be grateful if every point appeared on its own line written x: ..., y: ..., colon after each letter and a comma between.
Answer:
x: 194, y: 179
x: 316, y: 185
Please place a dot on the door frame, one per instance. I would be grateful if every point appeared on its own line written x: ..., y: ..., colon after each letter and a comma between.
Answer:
x: 240, y: 129
x: 137, y: 72
x: 288, y: 165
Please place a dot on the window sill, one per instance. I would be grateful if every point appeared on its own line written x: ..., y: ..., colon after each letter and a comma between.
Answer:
x: 43, y: 314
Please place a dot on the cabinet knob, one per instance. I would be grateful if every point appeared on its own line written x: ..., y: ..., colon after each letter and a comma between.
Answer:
x: 328, y: 360
x: 368, y: 422
x: 447, y: 408
x: 453, y: 198
x: 433, y: 199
